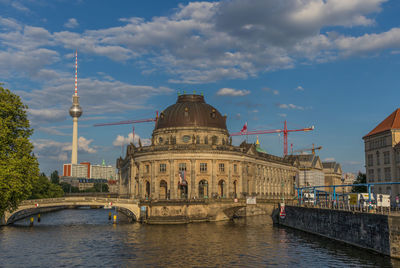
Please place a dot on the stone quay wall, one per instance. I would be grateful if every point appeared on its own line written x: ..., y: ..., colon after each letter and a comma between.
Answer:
x: 377, y: 232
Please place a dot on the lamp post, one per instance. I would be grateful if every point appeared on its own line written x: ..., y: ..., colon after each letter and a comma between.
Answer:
x: 342, y: 179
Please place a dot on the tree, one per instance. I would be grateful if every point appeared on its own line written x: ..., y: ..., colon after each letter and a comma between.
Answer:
x: 361, y: 178
x: 43, y: 188
x: 68, y: 188
x: 54, y: 177
x: 19, y: 168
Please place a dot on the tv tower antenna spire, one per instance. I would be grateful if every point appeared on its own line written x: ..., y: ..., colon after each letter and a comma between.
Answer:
x: 75, y: 112
x: 76, y: 72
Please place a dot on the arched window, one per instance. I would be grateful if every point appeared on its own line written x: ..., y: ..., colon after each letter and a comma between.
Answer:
x: 203, y: 189
x: 147, y: 190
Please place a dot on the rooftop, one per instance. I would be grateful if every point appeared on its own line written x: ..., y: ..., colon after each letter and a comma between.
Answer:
x: 391, y: 122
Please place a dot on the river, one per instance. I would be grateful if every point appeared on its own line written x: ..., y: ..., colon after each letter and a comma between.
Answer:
x: 86, y: 238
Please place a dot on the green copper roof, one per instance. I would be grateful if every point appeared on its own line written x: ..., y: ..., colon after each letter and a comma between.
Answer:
x: 259, y: 149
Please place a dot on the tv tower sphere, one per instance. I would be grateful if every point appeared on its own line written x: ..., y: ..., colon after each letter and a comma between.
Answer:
x: 75, y: 110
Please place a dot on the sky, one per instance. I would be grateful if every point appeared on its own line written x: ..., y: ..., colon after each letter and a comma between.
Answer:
x: 332, y: 64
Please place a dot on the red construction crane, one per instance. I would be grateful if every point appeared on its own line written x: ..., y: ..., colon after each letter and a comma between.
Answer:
x: 307, y: 149
x: 285, y: 132
x: 127, y: 122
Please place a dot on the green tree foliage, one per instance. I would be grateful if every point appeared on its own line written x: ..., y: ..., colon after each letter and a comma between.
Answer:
x: 54, y: 177
x: 43, y: 188
x: 97, y: 188
x: 68, y: 188
x: 361, y: 178
x: 19, y: 168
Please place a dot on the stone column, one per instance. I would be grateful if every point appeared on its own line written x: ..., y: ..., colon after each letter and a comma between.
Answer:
x: 244, y: 177
x: 132, y: 179
x: 172, y: 187
x: 153, y: 180
x: 141, y: 182
x: 193, y: 179
x: 230, y: 182
x: 213, y: 178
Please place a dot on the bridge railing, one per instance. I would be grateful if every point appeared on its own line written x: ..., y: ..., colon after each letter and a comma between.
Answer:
x: 78, y: 198
x: 344, y: 206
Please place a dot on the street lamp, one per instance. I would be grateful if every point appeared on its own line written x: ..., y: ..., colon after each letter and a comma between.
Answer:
x: 342, y: 179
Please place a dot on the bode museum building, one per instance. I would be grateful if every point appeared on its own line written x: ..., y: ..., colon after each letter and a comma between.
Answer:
x: 191, y: 156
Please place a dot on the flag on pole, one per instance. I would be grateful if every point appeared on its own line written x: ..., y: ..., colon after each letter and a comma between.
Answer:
x: 244, y: 129
x: 182, y: 178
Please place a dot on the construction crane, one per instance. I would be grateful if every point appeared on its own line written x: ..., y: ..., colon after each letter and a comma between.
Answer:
x: 127, y: 122
x: 285, y: 132
x: 306, y: 149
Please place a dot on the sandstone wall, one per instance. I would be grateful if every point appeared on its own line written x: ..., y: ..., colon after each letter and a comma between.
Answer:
x: 380, y: 233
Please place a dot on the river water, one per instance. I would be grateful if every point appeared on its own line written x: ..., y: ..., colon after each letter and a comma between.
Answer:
x: 86, y: 238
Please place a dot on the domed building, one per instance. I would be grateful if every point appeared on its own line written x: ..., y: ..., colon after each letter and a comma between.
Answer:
x: 191, y: 156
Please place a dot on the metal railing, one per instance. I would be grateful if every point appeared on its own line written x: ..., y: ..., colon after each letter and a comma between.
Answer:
x: 310, y: 196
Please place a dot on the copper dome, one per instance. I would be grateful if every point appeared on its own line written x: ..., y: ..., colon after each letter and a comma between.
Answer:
x: 191, y: 111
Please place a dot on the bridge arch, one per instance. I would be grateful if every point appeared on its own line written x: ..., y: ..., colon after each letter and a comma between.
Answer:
x: 32, y: 207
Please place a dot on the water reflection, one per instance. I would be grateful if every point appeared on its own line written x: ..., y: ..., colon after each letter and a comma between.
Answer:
x: 87, y: 238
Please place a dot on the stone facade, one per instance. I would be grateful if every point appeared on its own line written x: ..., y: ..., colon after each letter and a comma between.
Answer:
x: 191, y: 141
x: 310, y: 170
x: 333, y: 176
x: 382, y: 155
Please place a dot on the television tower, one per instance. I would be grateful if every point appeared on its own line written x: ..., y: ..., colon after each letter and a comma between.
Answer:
x: 75, y: 111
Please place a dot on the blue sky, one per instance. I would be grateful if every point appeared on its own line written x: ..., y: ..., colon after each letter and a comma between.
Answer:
x: 333, y: 64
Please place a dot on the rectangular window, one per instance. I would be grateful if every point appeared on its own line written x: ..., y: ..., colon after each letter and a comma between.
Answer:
x: 235, y: 168
x: 203, y: 167
x: 371, y: 175
x: 387, y: 173
x: 182, y: 166
x: 222, y: 167
x: 147, y: 168
x: 370, y: 160
x: 163, y: 167
x: 377, y: 159
x: 378, y: 175
x: 386, y: 157
x: 397, y: 157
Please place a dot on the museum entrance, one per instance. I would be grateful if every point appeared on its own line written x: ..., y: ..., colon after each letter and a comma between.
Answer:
x: 203, y: 189
x: 163, y: 190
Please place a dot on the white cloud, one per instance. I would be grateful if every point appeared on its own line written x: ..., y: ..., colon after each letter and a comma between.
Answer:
x: 203, y: 42
x: 369, y: 42
x: 121, y: 140
x: 41, y: 116
x: 51, y: 103
x: 290, y: 106
x: 71, y: 23
x: 84, y: 145
x: 273, y: 91
x: 299, y: 88
x: 46, y: 148
x: 232, y: 92
x: 17, y: 5
x: 282, y: 115
x: 329, y: 159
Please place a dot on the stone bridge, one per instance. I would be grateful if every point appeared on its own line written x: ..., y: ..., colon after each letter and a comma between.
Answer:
x: 157, y: 211
x: 27, y: 208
